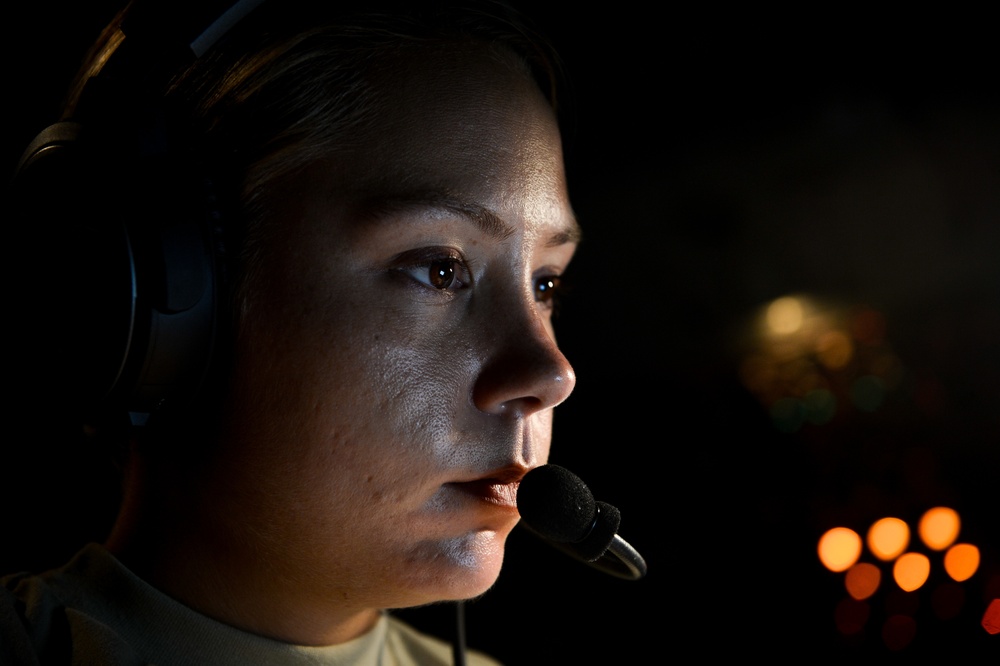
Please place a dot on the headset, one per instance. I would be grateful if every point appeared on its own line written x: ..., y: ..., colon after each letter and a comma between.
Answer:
x: 131, y: 226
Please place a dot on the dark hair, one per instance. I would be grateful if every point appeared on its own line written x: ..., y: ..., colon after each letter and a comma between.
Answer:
x: 291, y: 83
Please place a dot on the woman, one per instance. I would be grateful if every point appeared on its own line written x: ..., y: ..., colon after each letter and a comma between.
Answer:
x: 386, y: 224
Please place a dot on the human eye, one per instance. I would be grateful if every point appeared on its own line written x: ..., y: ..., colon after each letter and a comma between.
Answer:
x: 440, y: 269
x: 548, y: 289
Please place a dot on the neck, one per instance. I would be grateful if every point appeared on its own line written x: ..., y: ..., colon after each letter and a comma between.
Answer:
x: 199, y: 556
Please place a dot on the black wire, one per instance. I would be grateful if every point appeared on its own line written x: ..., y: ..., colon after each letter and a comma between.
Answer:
x: 458, y: 647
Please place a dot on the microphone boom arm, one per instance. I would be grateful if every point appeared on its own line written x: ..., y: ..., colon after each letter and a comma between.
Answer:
x: 557, y: 506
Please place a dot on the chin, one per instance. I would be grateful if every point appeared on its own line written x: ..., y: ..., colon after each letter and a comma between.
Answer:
x: 460, y: 568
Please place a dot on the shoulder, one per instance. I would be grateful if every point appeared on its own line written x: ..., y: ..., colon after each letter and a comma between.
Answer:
x: 42, y: 620
x: 22, y: 596
x: 411, y: 647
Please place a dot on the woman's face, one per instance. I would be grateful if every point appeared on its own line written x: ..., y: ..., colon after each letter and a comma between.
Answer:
x: 397, y: 368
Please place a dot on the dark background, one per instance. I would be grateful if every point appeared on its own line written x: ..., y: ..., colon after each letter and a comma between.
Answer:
x: 717, y: 161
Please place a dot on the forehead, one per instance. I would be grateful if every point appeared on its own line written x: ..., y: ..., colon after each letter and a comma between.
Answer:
x: 458, y: 119
x: 453, y: 133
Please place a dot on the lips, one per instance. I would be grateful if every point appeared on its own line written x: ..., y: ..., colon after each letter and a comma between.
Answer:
x: 499, y: 489
x: 492, y: 491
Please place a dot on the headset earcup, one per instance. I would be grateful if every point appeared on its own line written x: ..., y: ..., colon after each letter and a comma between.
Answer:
x: 80, y: 298
x: 177, y: 247
x: 128, y: 294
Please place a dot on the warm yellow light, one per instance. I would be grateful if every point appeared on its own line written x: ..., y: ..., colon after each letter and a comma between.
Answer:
x: 911, y: 571
x: 785, y: 315
x: 839, y: 548
x: 888, y: 537
x: 939, y: 527
x: 834, y: 349
x: 862, y: 580
x: 961, y: 561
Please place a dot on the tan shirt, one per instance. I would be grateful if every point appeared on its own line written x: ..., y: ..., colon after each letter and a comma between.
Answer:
x: 95, y: 611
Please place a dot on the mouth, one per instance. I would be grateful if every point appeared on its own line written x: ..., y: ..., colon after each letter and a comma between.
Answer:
x: 491, y: 491
x: 499, y: 489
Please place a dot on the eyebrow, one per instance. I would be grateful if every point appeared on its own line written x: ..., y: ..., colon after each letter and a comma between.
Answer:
x: 485, y: 219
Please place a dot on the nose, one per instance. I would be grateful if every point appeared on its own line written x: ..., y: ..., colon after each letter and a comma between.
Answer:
x: 525, y: 372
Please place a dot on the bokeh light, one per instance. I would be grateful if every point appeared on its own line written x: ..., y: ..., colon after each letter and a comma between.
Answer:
x: 785, y: 315
x: 991, y: 618
x: 812, y: 363
x: 862, y: 580
x: 939, y: 527
x: 911, y: 571
x: 888, y: 538
x: 961, y: 561
x: 834, y: 349
x: 839, y: 548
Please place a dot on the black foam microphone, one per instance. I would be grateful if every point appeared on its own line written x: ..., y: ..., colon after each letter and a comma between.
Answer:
x: 558, y: 506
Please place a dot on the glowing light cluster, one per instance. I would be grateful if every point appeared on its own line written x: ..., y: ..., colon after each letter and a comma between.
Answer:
x: 810, y: 362
x: 888, y: 540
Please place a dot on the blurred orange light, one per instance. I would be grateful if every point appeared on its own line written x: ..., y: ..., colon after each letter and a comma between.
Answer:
x: 785, y: 315
x: 834, y: 349
x: 939, y: 527
x: 961, y: 561
x: 911, y: 571
x: 839, y: 548
x: 862, y: 580
x: 888, y: 537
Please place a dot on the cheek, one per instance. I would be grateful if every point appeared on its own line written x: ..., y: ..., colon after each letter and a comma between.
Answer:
x: 376, y: 404
x: 420, y: 387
